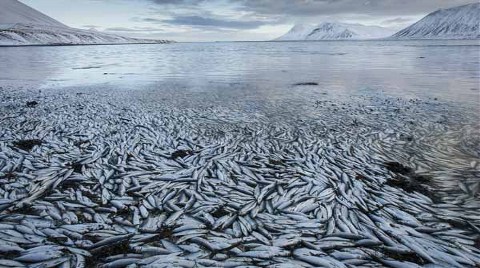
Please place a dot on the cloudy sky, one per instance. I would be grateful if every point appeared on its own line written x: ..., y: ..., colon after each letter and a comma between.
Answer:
x: 236, y: 20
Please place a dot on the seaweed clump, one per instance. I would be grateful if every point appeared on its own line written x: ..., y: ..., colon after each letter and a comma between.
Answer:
x: 27, y: 145
x: 406, y: 179
x: 98, y: 256
x: 405, y: 257
x: 32, y: 104
x: 306, y: 84
x: 76, y: 166
x: 181, y: 154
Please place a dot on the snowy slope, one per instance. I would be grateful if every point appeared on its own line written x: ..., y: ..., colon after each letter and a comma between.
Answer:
x: 45, y: 35
x: 13, y: 11
x: 23, y: 25
x: 335, y: 31
x: 454, y: 23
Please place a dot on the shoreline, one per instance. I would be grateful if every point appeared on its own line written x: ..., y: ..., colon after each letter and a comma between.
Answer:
x: 257, y: 41
x: 106, y: 44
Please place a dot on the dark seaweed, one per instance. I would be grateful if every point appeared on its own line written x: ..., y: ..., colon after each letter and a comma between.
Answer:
x: 77, y: 167
x: 410, y: 257
x: 406, y: 179
x: 181, y: 154
x: 98, y: 255
x: 396, y: 167
x: 27, y: 145
x: 306, y: 84
x: 32, y: 104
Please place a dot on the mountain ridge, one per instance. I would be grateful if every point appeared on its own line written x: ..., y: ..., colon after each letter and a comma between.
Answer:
x: 16, y: 12
x: 461, y: 22
x: 22, y: 25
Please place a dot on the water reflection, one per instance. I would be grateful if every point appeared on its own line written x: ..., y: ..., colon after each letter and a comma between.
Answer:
x: 447, y: 69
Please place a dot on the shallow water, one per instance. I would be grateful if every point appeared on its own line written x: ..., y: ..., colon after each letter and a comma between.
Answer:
x: 446, y: 69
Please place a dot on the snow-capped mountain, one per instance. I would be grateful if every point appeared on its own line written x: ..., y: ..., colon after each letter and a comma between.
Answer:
x: 454, y: 23
x: 335, y: 31
x: 23, y: 25
x: 12, y: 11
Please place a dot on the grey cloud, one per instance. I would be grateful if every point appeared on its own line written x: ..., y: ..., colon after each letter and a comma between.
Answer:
x: 397, y: 20
x: 136, y: 29
x: 152, y: 20
x: 198, y: 21
x: 178, y: 2
x: 90, y: 26
x: 330, y: 7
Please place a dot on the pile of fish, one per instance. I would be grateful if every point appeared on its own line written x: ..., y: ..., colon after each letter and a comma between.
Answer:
x: 114, y: 179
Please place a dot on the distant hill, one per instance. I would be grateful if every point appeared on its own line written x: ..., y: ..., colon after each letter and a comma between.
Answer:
x: 335, y: 31
x: 454, y: 23
x: 23, y: 25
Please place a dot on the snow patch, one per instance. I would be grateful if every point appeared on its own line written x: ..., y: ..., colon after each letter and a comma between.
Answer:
x: 335, y: 31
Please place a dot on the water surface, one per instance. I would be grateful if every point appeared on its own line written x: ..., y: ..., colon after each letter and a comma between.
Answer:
x: 446, y: 69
